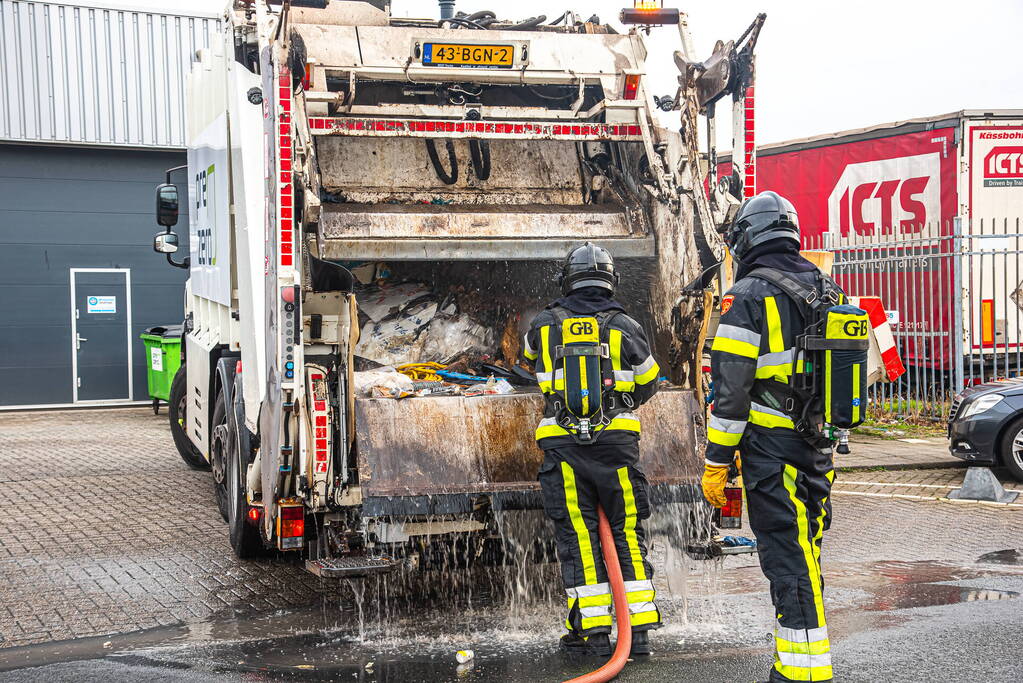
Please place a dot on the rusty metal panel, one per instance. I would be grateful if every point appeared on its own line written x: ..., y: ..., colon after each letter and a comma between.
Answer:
x: 461, y: 249
x: 88, y: 73
x: 368, y: 170
x: 419, y: 221
x: 451, y: 444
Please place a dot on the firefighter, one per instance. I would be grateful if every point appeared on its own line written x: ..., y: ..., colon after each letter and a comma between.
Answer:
x: 594, y: 367
x: 787, y: 473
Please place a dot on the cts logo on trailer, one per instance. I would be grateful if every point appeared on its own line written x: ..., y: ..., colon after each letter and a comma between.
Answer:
x: 1003, y: 167
x: 887, y: 196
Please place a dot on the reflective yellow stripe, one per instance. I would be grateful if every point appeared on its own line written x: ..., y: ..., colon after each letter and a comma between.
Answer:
x: 614, y: 340
x: 641, y: 596
x: 781, y: 371
x: 820, y: 647
x: 827, y: 386
x: 591, y: 600
x: 624, y: 424
x: 803, y: 524
x: 733, y: 346
x: 648, y: 376
x: 630, y: 525
x: 774, y: 333
x: 720, y: 438
x: 591, y: 622
x: 583, y: 386
x: 856, y: 393
x: 820, y: 527
x: 550, y: 430
x: 545, y: 347
x: 804, y: 673
x: 530, y: 355
x: 770, y: 421
x: 643, y: 618
x: 581, y: 532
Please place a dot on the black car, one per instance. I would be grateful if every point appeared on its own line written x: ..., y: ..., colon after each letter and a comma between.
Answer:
x: 985, y: 426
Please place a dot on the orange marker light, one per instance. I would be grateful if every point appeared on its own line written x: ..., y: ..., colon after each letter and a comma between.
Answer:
x: 631, y: 87
x: 292, y: 522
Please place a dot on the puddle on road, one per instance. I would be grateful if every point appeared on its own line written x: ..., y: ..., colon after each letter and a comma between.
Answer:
x: 1002, y: 557
x: 909, y: 596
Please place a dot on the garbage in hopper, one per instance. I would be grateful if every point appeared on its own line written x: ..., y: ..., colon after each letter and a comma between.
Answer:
x: 407, y: 323
x: 426, y: 346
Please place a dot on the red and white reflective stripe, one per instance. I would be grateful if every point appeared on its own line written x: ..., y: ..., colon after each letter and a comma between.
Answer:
x: 749, y: 159
x: 495, y: 130
x: 285, y: 202
x: 882, y: 334
x: 321, y: 428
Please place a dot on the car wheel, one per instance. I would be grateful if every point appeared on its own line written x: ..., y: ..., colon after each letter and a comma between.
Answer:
x: 177, y: 411
x: 1012, y: 448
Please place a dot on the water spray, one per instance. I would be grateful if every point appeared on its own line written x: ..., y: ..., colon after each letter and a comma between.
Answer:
x: 621, y: 603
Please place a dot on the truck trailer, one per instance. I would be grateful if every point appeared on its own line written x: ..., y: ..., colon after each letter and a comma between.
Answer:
x: 924, y: 213
x: 339, y: 157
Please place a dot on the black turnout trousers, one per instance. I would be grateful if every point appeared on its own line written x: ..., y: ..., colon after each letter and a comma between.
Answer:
x: 788, y: 489
x: 574, y: 480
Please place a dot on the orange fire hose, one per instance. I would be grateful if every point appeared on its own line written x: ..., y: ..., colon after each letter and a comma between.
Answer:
x: 614, y: 575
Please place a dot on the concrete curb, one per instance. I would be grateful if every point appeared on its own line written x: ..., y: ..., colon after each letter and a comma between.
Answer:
x: 899, y: 466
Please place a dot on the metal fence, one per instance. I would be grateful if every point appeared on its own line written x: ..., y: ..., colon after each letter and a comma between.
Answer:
x: 953, y: 293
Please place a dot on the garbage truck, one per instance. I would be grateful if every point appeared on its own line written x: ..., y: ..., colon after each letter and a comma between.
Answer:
x: 343, y: 161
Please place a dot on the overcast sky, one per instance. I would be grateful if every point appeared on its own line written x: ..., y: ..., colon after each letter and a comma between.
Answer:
x: 823, y: 65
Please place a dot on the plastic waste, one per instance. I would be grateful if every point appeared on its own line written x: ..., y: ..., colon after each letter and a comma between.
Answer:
x: 737, y: 541
x: 463, y: 656
x: 386, y: 378
x: 461, y: 377
x: 385, y: 301
x: 492, y: 387
x: 397, y: 340
x: 449, y: 337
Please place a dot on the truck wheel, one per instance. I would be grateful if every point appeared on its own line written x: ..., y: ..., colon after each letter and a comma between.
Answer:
x: 178, y: 413
x: 1012, y: 448
x: 245, y: 538
x: 220, y: 447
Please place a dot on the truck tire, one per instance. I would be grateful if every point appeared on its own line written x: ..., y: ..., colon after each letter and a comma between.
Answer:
x: 220, y: 448
x: 177, y: 413
x: 1011, y: 448
x: 245, y: 538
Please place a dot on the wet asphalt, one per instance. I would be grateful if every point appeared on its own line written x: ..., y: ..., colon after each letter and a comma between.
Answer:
x: 904, y: 622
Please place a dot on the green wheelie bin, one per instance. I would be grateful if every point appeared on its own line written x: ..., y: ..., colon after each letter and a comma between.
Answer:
x: 163, y: 358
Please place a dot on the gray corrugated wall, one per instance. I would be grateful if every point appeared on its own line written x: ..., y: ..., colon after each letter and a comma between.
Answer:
x: 63, y: 208
x: 79, y: 74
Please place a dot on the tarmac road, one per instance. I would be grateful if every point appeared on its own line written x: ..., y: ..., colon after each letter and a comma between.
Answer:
x: 106, y: 586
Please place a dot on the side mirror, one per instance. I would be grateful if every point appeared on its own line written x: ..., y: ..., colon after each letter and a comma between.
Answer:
x: 167, y: 206
x: 165, y: 242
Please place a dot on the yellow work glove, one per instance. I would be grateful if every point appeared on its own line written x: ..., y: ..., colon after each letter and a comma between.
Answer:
x: 714, y: 479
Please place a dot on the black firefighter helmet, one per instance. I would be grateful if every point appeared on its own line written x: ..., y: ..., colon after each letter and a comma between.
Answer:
x: 763, y: 218
x: 588, y: 266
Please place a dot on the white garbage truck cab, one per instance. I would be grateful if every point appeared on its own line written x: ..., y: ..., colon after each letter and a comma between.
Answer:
x: 340, y: 158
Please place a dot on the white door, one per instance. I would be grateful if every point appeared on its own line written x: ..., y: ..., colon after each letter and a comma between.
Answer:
x: 101, y: 334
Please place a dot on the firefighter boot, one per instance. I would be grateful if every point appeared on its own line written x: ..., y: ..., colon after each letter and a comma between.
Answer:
x: 640, y: 644
x: 595, y: 645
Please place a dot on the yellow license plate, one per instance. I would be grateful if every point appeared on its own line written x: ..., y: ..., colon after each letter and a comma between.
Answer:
x: 453, y: 54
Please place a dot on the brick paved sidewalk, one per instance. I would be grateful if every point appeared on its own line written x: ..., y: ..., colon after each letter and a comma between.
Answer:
x: 868, y: 452
x: 106, y: 530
